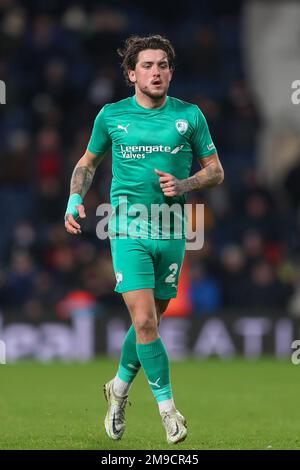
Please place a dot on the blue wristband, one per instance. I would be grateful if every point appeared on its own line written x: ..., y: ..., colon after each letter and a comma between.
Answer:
x: 74, y: 200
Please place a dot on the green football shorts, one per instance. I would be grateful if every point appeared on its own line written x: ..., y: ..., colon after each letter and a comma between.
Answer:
x: 147, y: 264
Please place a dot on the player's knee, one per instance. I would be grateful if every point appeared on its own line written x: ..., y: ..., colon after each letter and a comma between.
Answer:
x: 145, y: 323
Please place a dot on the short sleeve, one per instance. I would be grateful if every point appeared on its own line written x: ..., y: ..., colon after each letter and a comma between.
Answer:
x: 201, y: 140
x: 100, y: 140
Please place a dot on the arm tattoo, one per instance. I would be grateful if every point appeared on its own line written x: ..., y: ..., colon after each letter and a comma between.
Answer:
x: 210, y: 176
x: 81, y: 180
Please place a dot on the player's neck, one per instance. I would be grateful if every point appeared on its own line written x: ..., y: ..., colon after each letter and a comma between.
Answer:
x: 147, y: 102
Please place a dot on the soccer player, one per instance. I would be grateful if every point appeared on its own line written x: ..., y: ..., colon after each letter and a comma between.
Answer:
x: 154, y: 138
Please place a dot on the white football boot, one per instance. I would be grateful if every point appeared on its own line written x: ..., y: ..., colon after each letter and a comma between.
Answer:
x: 115, y: 417
x: 175, y: 425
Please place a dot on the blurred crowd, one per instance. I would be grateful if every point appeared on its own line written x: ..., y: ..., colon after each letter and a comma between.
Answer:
x: 59, y: 62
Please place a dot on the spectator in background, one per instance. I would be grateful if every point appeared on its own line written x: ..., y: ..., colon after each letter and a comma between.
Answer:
x: 264, y: 290
x: 20, y: 279
x: 234, y: 276
x: 205, y: 292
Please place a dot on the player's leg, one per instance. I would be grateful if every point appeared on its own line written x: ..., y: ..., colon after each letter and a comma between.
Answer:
x: 150, y: 348
x: 133, y: 266
x: 133, y: 269
x: 168, y: 262
x: 154, y: 358
x: 129, y: 257
x: 129, y: 364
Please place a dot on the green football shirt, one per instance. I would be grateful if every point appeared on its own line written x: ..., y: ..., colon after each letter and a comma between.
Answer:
x: 142, y: 139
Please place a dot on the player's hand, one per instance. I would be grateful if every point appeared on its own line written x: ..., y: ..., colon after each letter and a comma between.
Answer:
x: 170, y: 185
x: 75, y: 210
x: 70, y: 222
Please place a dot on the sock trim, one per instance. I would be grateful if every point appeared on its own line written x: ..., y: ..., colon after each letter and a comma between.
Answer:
x: 152, y: 349
x: 126, y: 375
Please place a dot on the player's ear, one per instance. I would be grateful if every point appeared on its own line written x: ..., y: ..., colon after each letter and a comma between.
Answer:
x: 131, y: 76
x: 171, y: 73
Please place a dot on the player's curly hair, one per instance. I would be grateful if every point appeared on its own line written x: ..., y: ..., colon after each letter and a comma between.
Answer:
x: 135, y: 44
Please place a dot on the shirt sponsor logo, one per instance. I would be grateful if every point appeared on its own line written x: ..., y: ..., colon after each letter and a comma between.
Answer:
x: 140, y: 151
x: 177, y: 149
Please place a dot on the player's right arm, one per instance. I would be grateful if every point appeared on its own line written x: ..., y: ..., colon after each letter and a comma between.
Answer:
x: 81, y: 181
x: 84, y: 171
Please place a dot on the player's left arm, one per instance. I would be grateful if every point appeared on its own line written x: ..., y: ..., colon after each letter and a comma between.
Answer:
x: 211, y: 174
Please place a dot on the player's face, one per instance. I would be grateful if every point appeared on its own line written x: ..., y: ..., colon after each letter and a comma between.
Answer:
x: 152, y: 74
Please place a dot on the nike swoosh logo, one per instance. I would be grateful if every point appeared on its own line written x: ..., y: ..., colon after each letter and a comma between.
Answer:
x: 176, y: 431
x: 115, y: 430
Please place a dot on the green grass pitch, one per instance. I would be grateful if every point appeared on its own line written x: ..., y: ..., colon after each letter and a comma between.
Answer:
x: 236, y: 404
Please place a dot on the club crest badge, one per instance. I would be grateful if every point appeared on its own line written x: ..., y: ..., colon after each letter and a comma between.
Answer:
x: 119, y: 277
x: 182, y: 126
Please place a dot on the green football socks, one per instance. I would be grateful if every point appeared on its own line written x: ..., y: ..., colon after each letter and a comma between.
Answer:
x: 129, y: 362
x: 154, y: 359
x: 155, y: 362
